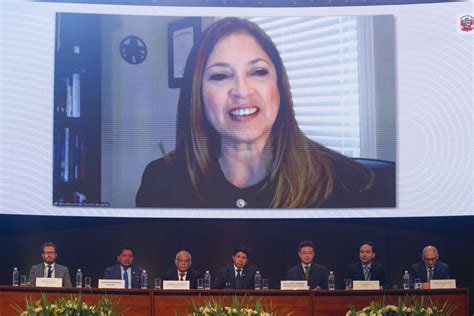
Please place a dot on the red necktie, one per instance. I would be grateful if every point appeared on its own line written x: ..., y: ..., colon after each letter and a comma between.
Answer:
x: 181, y: 276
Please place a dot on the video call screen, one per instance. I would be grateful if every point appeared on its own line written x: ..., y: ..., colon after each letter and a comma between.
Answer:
x: 90, y: 98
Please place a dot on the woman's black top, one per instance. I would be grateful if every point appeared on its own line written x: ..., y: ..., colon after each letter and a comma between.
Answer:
x: 169, y: 186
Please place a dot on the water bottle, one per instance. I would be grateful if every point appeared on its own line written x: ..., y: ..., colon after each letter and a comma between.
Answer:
x: 406, y: 280
x: 16, y: 277
x: 79, y: 278
x: 144, y: 279
x: 331, y: 281
x: 258, y: 280
x: 207, y: 281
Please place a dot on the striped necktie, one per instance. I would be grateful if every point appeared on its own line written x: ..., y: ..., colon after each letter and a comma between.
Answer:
x: 306, y: 272
x: 366, y: 273
x: 430, y: 274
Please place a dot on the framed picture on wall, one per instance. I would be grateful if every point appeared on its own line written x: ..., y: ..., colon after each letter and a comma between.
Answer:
x: 182, y: 34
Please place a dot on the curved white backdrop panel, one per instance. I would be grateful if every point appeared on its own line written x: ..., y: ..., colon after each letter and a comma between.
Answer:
x: 434, y: 123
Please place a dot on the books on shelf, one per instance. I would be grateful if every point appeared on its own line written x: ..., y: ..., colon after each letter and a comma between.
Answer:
x: 76, y: 95
x: 69, y: 101
x: 69, y: 157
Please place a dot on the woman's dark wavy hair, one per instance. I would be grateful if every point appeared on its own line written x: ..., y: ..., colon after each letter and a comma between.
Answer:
x: 301, y: 170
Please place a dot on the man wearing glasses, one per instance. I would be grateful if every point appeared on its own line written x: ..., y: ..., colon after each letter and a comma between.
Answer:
x: 430, y: 268
x: 183, y: 271
x: 49, y: 268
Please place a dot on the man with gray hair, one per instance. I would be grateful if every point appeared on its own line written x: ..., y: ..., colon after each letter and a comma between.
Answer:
x: 183, y: 271
x: 430, y: 268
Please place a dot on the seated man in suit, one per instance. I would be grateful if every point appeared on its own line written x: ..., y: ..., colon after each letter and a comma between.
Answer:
x: 125, y: 270
x: 238, y: 275
x: 366, y: 269
x: 49, y: 268
x: 315, y: 274
x: 430, y: 268
x: 183, y: 271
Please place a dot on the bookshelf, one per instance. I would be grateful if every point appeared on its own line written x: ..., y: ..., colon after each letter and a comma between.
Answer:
x: 77, y: 111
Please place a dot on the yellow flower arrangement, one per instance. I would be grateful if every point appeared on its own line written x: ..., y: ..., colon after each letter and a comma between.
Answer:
x: 68, y: 307
x: 244, y: 306
x: 409, y: 306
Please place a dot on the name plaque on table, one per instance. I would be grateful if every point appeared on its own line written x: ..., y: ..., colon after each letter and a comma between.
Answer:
x: 176, y: 285
x: 443, y: 284
x: 294, y: 285
x: 111, y: 284
x: 366, y: 285
x: 49, y: 282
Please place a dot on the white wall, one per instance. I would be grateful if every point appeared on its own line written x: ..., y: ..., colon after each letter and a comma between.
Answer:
x: 377, y: 82
x: 434, y: 111
x: 385, y: 88
x: 138, y: 108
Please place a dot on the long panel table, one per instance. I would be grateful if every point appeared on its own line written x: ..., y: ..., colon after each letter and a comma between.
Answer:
x: 168, y: 302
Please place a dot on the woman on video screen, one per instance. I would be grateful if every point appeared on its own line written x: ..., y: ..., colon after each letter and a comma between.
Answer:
x: 238, y: 143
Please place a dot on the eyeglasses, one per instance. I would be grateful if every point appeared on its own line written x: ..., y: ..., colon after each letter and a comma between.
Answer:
x: 183, y: 260
x: 49, y: 253
x: 429, y: 259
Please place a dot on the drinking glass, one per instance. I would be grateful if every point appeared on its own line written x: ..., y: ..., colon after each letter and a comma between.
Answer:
x: 23, y: 280
x: 418, y: 284
x: 88, y: 282
x: 348, y: 284
x: 157, y: 284
x: 200, y: 284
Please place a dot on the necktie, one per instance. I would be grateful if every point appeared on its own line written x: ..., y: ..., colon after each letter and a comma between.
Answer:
x: 306, y: 272
x: 181, y: 276
x: 430, y: 274
x: 125, y: 278
x: 238, y: 279
x: 366, y: 273
x: 50, y: 271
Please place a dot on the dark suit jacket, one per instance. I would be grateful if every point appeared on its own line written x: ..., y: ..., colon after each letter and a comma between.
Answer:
x: 377, y: 272
x: 37, y: 271
x: 418, y: 271
x: 318, y: 275
x: 167, y: 184
x: 115, y: 273
x: 191, y: 276
x: 227, y: 274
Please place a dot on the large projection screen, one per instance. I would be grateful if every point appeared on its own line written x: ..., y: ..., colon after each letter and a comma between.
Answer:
x: 412, y: 80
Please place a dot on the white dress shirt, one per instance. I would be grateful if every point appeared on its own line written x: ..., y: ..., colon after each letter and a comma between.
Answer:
x: 53, y: 274
x: 184, y: 276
